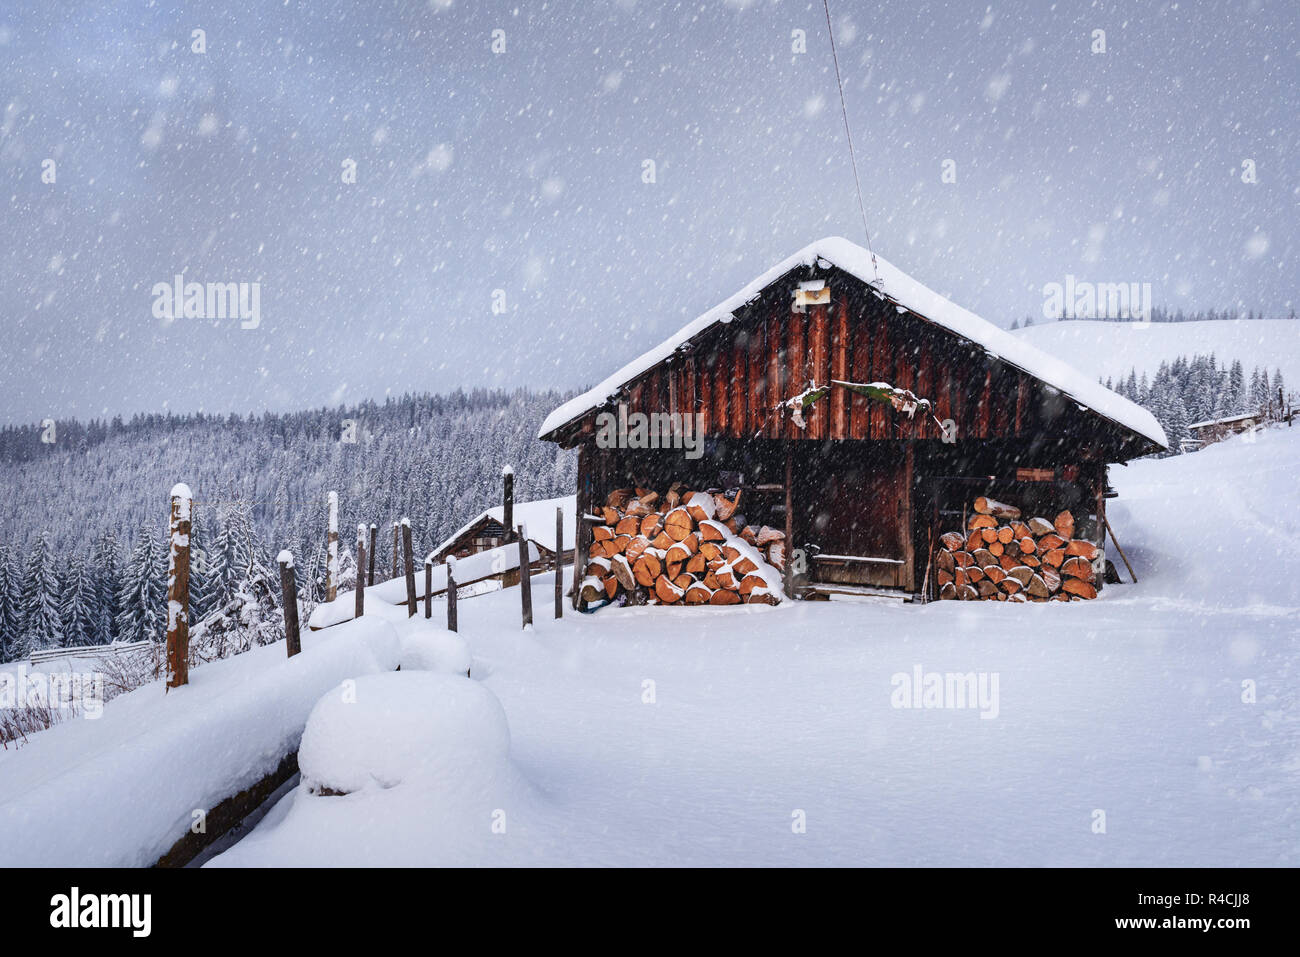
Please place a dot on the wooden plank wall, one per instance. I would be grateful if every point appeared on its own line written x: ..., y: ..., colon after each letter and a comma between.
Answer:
x: 768, y: 353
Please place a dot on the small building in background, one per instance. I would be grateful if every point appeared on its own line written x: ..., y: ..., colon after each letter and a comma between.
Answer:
x: 1216, y: 430
x: 487, y: 531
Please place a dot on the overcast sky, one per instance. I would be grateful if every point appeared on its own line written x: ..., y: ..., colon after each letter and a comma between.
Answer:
x: 523, y: 171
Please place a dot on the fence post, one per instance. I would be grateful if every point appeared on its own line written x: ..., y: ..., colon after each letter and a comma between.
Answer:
x: 332, y: 553
x: 397, y: 546
x: 178, y: 588
x: 559, y: 563
x: 361, y: 571
x: 289, y: 592
x: 374, y: 534
x: 428, y: 586
x: 508, y: 499
x: 525, y: 576
x: 451, y: 593
x: 411, y: 602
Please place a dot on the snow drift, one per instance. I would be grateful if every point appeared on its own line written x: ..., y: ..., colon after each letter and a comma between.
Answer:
x: 120, y: 791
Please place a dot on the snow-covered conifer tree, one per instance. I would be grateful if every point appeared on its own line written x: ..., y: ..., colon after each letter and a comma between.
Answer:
x: 143, y: 598
x: 78, y: 604
x: 42, y: 622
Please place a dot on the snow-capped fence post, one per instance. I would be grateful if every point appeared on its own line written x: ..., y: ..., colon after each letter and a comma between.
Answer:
x: 559, y: 563
x: 451, y: 593
x: 508, y: 499
x: 374, y: 535
x: 361, y: 571
x: 332, y: 550
x: 178, y: 588
x: 289, y: 592
x: 525, y: 576
x: 397, y: 547
x: 411, y: 602
x: 428, y: 587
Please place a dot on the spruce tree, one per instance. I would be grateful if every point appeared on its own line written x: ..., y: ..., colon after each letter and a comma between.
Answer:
x: 108, y: 585
x: 1236, y: 388
x: 143, y: 595
x: 200, y: 573
x: 11, y: 619
x: 78, y: 605
x: 42, y: 623
x: 222, y: 561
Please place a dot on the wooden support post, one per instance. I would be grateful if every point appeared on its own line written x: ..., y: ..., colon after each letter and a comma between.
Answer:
x: 451, y: 593
x: 361, y: 571
x: 582, y: 528
x: 525, y: 576
x: 332, y: 550
x: 407, y: 548
x: 1106, y: 521
x: 559, y: 563
x: 374, y: 535
x: 428, y: 587
x: 289, y: 592
x: 178, y: 588
x: 1100, y: 539
x: 508, y: 499
x: 789, y: 521
x: 909, y: 533
x: 397, y: 550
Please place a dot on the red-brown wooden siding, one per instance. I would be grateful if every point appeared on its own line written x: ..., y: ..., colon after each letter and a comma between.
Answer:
x: 741, y: 370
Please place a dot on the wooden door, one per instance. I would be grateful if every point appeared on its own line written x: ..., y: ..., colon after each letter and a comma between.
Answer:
x: 856, y: 514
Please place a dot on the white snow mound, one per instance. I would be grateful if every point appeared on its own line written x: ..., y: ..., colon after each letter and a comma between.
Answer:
x: 384, y: 730
x: 435, y: 650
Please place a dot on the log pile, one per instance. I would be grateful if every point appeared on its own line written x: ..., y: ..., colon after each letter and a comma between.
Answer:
x: 681, y: 547
x: 999, y: 557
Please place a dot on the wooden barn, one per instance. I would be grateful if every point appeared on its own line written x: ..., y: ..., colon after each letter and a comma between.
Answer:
x: 862, y: 414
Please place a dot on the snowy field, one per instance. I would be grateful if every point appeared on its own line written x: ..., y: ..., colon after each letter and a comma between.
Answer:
x: 763, y: 718
x: 1111, y: 349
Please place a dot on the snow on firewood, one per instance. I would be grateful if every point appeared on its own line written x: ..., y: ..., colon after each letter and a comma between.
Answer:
x: 681, y: 546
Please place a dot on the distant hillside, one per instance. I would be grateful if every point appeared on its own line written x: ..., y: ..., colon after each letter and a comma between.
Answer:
x: 82, y: 520
x: 1110, y: 349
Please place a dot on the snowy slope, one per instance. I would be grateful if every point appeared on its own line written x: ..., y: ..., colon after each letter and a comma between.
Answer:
x: 119, y: 791
x: 1111, y: 349
x: 1130, y: 705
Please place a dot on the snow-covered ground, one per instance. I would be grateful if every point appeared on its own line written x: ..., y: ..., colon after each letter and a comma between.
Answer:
x: 705, y: 736
x: 1110, y: 349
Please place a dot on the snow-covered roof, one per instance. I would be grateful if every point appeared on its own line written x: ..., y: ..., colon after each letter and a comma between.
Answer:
x: 901, y: 289
x: 539, y: 517
x: 1240, y: 417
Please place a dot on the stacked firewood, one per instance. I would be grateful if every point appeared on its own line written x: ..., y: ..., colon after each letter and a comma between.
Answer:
x: 1001, y: 558
x: 681, y: 547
